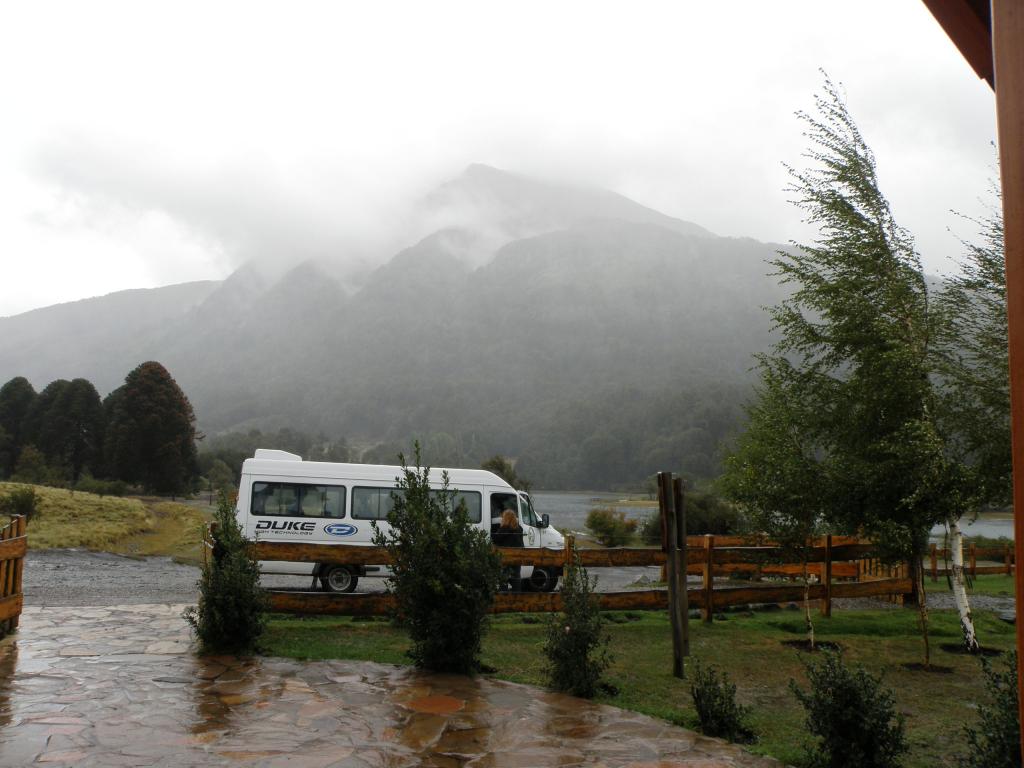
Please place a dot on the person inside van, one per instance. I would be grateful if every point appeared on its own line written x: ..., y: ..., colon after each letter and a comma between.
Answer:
x: 510, y: 534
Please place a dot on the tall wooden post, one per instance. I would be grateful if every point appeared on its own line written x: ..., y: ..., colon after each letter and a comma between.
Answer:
x: 1006, y: 559
x: 670, y: 543
x: 974, y: 559
x: 683, y: 561
x: 5, y: 566
x: 826, y: 579
x: 19, y: 568
x: 708, y: 609
x: 934, y: 555
x: 1008, y: 62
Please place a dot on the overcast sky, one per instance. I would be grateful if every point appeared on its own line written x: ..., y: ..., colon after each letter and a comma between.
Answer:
x: 146, y: 144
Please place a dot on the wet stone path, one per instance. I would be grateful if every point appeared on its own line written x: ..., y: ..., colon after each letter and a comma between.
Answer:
x: 121, y: 686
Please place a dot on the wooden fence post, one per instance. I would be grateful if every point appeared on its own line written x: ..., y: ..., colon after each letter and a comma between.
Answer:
x: 5, y: 533
x: 19, y: 568
x: 709, y: 579
x: 826, y: 579
x: 570, y: 546
x: 934, y: 554
x: 1006, y: 559
x: 974, y: 559
x: 682, y: 597
x: 670, y: 543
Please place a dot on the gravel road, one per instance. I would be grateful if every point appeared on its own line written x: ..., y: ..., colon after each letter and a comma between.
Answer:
x: 79, y: 578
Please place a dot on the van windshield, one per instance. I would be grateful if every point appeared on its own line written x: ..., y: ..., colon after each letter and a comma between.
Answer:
x: 526, y: 512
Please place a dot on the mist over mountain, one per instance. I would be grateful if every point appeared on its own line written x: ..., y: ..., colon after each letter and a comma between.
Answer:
x: 595, y: 339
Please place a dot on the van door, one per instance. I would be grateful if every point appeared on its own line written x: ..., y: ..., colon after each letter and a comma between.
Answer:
x: 502, y: 500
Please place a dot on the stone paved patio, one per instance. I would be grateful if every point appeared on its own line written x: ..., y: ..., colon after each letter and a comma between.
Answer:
x: 121, y: 686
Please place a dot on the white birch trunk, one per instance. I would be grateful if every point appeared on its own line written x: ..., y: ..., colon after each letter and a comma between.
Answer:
x: 963, y: 607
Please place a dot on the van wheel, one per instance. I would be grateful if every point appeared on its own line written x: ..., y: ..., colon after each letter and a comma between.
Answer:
x: 338, y: 578
x: 543, y: 580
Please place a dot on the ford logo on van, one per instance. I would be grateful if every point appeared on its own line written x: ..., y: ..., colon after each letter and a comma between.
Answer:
x: 340, y: 529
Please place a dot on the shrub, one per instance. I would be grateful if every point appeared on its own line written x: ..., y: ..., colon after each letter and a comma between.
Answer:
x: 444, y: 573
x: 611, y: 528
x: 101, y: 487
x: 705, y: 513
x: 852, y: 715
x: 714, y: 698
x: 20, y: 501
x: 577, y: 644
x: 229, y: 617
x: 995, y: 742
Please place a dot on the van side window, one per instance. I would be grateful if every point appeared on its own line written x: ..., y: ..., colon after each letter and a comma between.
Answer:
x: 376, y: 503
x: 373, y: 503
x: 298, y: 500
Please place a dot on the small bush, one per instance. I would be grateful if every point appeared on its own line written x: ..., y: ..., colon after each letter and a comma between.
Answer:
x: 705, y: 513
x: 101, y: 487
x: 611, y: 528
x: 714, y: 698
x: 995, y: 742
x: 20, y: 501
x: 444, y: 574
x: 852, y: 715
x: 577, y: 644
x: 230, y: 615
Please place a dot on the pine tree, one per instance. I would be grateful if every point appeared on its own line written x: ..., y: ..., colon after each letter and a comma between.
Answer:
x: 16, y: 397
x: 150, y: 434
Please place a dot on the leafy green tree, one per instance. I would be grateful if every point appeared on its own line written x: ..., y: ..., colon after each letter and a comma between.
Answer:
x: 16, y: 397
x: 975, y: 363
x: 851, y: 370
x: 150, y: 435
x: 505, y: 468
x: 444, y: 573
x: 32, y: 468
x: 774, y: 470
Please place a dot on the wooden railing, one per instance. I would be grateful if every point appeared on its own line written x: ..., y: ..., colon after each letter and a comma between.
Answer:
x: 12, y: 564
x: 1003, y: 555
x: 830, y: 558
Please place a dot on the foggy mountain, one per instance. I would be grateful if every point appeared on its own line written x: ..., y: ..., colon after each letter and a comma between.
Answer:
x: 596, y: 339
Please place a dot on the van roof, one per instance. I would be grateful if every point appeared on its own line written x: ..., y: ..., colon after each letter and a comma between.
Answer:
x: 295, y: 467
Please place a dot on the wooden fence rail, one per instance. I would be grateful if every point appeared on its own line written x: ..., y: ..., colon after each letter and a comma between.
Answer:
x: 12, y: 563
x: 708, y: 556
x: 1003, y: 555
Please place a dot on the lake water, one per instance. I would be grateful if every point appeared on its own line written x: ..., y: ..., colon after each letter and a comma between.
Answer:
x: 568, y: 511
x: 983, y: 526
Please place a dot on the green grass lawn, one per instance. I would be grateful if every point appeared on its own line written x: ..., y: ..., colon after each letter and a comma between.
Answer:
x: 746, y: 645
x: 996, y: 585
x: 129, y: 526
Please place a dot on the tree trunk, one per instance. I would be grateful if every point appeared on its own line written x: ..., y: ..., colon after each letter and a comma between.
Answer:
x: 922, y: 607
x: 963, y: 607
x: 807, y: 607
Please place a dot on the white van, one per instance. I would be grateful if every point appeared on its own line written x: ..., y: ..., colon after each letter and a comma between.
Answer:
x: 283, y: 498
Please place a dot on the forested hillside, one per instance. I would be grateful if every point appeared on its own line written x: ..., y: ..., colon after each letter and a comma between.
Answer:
x: 595, y: 339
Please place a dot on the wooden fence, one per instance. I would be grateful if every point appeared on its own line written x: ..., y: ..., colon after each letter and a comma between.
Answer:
x: 12, y: 564
x: 1001, y: 557
x: 831, y: 558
